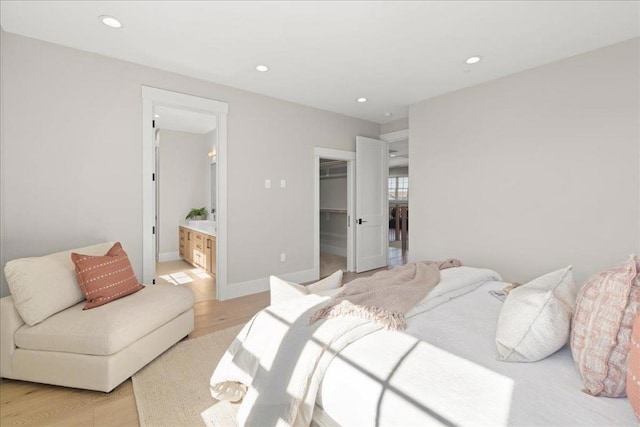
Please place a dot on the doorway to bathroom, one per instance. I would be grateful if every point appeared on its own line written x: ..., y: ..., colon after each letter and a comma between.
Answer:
x: 186, y: 144
x: 184, y: 191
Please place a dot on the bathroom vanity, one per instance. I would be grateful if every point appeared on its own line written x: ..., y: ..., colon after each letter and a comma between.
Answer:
x: 198, y: 246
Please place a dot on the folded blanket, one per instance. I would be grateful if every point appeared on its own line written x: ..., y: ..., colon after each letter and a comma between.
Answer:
x: 387, y: 296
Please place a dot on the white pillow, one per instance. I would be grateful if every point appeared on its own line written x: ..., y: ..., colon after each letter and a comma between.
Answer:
x: 281, y: 290
x: 535, y: 320
x: 43, y: 286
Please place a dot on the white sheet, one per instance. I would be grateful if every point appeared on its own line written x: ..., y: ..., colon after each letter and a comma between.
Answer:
x: 280, y: 358
x: 444, y: 370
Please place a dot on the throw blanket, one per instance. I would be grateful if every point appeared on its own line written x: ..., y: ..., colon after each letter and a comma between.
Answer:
x: 387, y: 296
x: 278, y: 360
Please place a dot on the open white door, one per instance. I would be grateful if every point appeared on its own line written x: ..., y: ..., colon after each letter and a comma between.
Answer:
x: 372, y: 214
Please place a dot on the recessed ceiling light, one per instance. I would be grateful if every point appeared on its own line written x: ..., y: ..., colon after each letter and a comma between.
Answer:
x: 110, y: 21
x: 473, y: 59
x: 388, y: 114
x: 262, y: 68
x: 361, y: 100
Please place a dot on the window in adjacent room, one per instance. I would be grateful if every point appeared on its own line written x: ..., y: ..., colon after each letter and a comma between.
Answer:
x: 399, y: 188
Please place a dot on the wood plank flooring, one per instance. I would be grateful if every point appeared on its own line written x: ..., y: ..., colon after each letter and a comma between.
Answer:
x: 30, y: 404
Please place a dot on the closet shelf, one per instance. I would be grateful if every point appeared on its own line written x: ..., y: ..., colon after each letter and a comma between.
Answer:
x: 334, y: 211
x: 338, y: 175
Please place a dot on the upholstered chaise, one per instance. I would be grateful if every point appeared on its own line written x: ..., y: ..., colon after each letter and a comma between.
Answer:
x: 94, y: 349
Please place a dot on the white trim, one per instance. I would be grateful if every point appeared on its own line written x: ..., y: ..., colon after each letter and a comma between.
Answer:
x: 169, y: 256
x: 350, y: 158
x: 398, y: 135
x: 152, y: 97
x: 262, y: 285
x: 176, y: 99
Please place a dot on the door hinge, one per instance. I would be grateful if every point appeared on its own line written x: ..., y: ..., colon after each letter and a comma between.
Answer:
x: 153, y: 123
x: 153, y: 177
x: 153, y: 230
x: 153, y: 281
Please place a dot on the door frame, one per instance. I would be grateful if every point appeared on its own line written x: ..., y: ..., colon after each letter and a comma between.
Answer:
x: 350, y: 158
x: 152, y: 97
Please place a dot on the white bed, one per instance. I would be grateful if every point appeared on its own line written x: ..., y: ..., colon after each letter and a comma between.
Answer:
x: 444, y: 368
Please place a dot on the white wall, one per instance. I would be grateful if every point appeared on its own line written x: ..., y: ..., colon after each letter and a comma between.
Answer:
x: 183, y: 182
x: 72, y: 158
x: 395, y: 125
x: 534, y: 171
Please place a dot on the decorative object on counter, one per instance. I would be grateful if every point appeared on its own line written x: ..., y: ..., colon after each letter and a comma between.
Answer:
x: 197, y: 213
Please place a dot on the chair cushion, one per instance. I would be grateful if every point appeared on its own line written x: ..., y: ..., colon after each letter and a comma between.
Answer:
x: 42, y: 286
x: 109, y: 328
x: 105, y: 278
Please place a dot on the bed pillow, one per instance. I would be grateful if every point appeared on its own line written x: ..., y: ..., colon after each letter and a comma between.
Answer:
x: 601, y: 330
x: 281, y: 290
x: 535, y: 319
x: 633, y: 372
x: 105, y: 278
x: 44, y: 286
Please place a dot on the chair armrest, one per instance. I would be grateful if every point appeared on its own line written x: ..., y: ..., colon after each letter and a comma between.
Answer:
x: 10, y: 322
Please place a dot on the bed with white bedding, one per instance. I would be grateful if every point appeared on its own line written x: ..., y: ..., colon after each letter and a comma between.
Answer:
x: 441, y: 370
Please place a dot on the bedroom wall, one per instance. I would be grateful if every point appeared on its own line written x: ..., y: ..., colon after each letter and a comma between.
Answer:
x: 534, y: 171
x: 395, y: 125
x: 183, y: 182
x: 72, y: 158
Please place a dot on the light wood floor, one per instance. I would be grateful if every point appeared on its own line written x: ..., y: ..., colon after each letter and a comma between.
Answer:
x: 31, y: 404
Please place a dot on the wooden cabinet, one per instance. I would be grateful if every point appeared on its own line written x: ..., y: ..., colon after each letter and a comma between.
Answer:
x: 210, y: 253
x: 198, y: 249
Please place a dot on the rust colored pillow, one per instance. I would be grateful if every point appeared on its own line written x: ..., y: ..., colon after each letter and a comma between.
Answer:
x: 105, y: 278
x: 633, y: 372
x: 601, y: 329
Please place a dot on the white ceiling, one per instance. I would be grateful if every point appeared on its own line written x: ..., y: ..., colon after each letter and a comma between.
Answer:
x: 326, y: 54
x: 183, y: 120
x: 399, y: 153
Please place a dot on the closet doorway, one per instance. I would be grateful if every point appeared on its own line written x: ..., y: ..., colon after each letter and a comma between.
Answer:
x: 334, y: 205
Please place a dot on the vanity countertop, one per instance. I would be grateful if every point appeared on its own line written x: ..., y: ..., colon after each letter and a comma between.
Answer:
x: 209, y: 228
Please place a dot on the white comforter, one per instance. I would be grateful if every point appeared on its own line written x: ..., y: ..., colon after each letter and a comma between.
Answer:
x: 281, y: 359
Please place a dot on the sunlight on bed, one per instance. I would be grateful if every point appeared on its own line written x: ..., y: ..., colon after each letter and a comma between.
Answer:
x: 385, y: 382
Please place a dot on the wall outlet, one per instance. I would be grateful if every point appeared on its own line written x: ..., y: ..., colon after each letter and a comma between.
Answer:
x: 283, y: 257
x: 267, y: 183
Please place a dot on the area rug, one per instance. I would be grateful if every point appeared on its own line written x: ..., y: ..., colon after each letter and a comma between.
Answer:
x: 173, y: 390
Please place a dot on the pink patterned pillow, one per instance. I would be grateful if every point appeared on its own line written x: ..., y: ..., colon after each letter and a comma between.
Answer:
x: 601, y: 328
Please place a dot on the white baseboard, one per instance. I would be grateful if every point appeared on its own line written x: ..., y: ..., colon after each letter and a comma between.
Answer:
x: 235, y: 290
x: 168, y: 256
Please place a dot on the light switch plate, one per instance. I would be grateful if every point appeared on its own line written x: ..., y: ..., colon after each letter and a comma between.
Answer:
x: 283, y: 183
x: 267, y: 183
